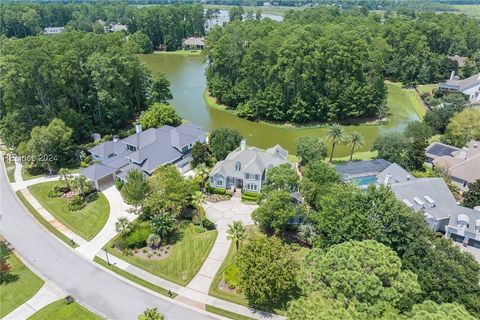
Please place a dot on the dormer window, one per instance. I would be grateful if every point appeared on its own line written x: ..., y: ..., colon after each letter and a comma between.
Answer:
x: 238, y: 166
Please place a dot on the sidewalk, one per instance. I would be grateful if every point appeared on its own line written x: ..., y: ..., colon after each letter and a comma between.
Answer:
x: 118, y: 208
x: 188, y: 295
x: 46, y: 295
x: 51, y: 219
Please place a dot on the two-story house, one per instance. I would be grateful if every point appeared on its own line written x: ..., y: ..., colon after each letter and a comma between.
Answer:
x: 246, y: 167
x: 145, y: 151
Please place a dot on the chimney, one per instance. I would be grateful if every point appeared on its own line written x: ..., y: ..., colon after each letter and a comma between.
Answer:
x: 115, y: 138
x: 243, y: 144
x: 452, y: 75
x: 138, y: 127
x: 387, y: 179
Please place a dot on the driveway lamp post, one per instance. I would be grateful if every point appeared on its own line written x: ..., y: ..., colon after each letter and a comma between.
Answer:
x: 108, y: 261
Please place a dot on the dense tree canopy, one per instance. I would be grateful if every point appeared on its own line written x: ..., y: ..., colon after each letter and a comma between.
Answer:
x: 264, y: 283
x: 463, y: 127
x: 274, y: 212
x: 471, y: 198
x: 163, y: 25
x: 372, y: 271
x: 328, y: 64
x: 223, y: 141
x: 92, y: 82
x: 310, y: 149
x: 158, y: 115
x: 282, y: 177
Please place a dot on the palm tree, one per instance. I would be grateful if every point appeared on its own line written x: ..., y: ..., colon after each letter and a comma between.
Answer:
x: 151, y: 314
x: 80, y: 183
x: 65, y: 175
x: 197, y: 199
x: 236, y: 232
x: 336, y: 135
x: 202, y: 172
x: 153, y: 240
x: 122, y: 226
x: 355, y: 139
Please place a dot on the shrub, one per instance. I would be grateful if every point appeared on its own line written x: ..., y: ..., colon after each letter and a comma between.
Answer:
x: 118, y: 184
x: 137, y: 238
x: 231, y: 276
x: 207, y: 224
x: 198, y: 229
x: 76, y: 203
x: 250, y: 196
x: 219, y: 191
x: 55, y: 192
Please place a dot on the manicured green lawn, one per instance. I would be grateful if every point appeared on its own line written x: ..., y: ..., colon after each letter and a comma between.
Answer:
x: 44, y: 222
x: 86, y: 222
x: 182, y: 52
x: 59, y: 310
x: 22, y: 285
x: 133, y: 278
x: 427, y: 88
x: 183, y: 263
x: 365, y: 155
x: 226, y: 313
x: 31, y: 174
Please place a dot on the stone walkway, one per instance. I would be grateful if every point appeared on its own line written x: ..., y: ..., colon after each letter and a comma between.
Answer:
x: 46, y: 295
x: 51, y: 219
x: 118, y: 208
x: 222, y: 214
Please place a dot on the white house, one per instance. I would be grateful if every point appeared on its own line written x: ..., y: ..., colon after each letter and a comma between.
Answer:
x: 246, y: 167
x: 469, y: 86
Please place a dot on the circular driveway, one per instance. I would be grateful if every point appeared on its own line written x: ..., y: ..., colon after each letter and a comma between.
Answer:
x: 225, y: 212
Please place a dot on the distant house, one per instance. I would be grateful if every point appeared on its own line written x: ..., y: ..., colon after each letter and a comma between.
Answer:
x: 469, y: 86
x: 459, y: 60
x: 246, y: 167
x: 115, y: 27
x: 193, y: 43
x: 144, y: 151
x: 53, y: 30
x: 432, y: 198
x: 461, y: 165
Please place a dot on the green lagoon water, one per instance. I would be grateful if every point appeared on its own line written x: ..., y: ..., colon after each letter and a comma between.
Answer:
x: 188, y: 83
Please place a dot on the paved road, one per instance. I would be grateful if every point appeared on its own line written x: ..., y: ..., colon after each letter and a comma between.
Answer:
x: 82, y: 279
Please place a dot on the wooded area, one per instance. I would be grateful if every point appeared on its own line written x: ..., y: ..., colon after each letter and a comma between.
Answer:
x: 327, y: 64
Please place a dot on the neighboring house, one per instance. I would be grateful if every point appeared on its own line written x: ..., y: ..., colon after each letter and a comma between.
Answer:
x: 438, y: 149
x: 115, y: 27
x: 431, y: 196
x: 193, y: 43
x: 145, y: 151
x: 53, y: 30
x: 246, y: 167
x: 469, y: 86
x: 461, y: 165
x: 459, y: 60
x: 362, y: 173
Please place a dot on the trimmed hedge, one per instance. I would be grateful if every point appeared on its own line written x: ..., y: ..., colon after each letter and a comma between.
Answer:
x: 250, y: 196
x: 219, y: 191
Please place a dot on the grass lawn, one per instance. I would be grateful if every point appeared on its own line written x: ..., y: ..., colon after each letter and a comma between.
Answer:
x: 10, y: 166
x: 31, y: 174
x: 365, y: 155
x: 427, y: 88
x: 226, y: 313
x: 44, y: 222
x: 472, y: 10
x: 86, y: 222
x: 183, y: 263
x: 60, y: 310
x: 182, y: 52
x: 22, y: 285
x: 133, y: 278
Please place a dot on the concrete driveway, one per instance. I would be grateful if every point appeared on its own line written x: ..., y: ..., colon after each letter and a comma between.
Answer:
x: 225, y: 212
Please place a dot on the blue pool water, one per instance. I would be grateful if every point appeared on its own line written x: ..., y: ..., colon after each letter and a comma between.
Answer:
x: 364, y: 181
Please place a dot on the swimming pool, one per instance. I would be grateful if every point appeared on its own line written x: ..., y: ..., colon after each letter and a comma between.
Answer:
x: 364, y: 181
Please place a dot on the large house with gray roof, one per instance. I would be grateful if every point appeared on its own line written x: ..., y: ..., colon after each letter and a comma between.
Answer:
x: 145, y: 151
x: 429, y: 196
x: 469, y: 86
x: 246, y: 167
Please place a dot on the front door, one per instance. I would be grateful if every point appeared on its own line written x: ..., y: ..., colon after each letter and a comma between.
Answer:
x: 239, y: 183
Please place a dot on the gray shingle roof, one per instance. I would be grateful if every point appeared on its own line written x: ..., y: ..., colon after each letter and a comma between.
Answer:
x: 97, y: 171
x: 252, y: 160
x: 365, y: 167
x: 461, y: 84
x: 395, y: 174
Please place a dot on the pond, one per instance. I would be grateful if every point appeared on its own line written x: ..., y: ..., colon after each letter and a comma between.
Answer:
x: 188, y: 84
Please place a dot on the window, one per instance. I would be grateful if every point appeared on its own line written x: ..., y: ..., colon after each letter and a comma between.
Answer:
x: 247, y: 176
x: 257, y: 177
x: 219, y: 182
x: 238, y: 166
x: 251, y: 187
x: 131, y: 148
